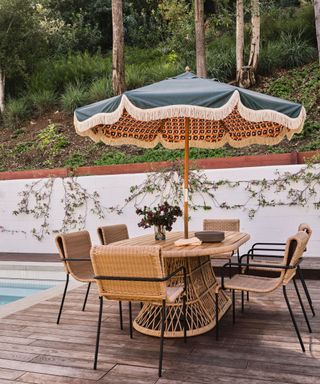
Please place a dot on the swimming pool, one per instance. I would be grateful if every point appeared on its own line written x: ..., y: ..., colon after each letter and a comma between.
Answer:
x: 13, y: 290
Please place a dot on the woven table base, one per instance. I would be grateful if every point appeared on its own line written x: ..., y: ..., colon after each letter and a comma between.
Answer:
x: 200, y: 301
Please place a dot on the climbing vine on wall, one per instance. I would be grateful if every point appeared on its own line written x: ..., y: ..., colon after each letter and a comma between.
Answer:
x: 300, y: 188
x: 77, y: 203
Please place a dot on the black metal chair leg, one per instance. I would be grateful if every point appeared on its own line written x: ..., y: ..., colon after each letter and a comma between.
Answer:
x: 293, y: 319
x: 304, y: 285
x: 247, y: 295
x: 163, y: 318
x: 230, y: 269
x: 86, y: 298
x: 63, y: 297
x: 302, y: 306
x: 98, y: 334
x: 184, y: 314
x: 217, y: 316
x: 130, y: 319
x: 120, y: 315
x: 242, y: 301
x: 233, y: 307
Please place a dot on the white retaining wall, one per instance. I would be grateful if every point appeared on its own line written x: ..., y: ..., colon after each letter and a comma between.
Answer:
x: 269, y: 224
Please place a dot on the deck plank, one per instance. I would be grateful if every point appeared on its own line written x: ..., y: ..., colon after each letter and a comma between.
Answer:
x: 261, y: 348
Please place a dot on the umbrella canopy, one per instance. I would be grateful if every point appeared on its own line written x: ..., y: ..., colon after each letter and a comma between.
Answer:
x: 219, y: 113
x: 188, y: 111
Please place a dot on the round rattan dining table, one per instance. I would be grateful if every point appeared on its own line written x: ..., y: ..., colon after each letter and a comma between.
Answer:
x: 201, y: 287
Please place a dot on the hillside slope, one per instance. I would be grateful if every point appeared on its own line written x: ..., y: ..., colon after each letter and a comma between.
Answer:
x: 50, y: 141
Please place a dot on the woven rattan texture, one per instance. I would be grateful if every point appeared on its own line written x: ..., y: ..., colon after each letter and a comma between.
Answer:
x: 129, y: 261
x: 76, y: 245
x: 112, y: 233
x: 221, y: 225
x: 294, y: 250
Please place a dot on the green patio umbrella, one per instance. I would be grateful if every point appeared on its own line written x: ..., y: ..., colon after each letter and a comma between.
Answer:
x: 187, y: 111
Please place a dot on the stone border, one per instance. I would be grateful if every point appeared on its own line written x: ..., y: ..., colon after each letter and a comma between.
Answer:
x: 209, y: 163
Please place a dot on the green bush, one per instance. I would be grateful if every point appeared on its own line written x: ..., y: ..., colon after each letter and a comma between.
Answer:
x: 287, y: 52
x: 55, y: 74
x: 43, y: 100
x: 51, y: 140
x: 16, y: 111
x: 74, y: 96
x: 100, y: 89
x: 75, y: 160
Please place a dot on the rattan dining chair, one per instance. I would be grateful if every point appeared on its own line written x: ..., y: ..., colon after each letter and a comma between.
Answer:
x: 136, y: 273
x: 287, y: 269
x: 271, y: 252
x: 74, y: 250
x: 222, y: 225
x: 110, y: 234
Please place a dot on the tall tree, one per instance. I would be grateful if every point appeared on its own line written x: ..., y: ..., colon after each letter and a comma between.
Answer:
x: 200, y: 39
x: 118, y: 75
x: 246, y: 75
x: 21, y: 41
x: 317, y: 21
x: 239, y: 38
x: 255, y: 35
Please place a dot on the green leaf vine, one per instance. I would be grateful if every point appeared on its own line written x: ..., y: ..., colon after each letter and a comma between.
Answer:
x: 36, y: 200
x: 299, y: 188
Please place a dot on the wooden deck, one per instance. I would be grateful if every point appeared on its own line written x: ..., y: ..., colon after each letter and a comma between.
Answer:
x: 261, y: 348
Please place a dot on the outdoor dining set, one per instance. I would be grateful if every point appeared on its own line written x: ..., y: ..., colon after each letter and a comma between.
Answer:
x: 176, y: 286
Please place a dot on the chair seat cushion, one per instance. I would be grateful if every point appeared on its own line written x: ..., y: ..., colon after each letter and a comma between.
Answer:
x: 252, y: 283
x: 173, y: 293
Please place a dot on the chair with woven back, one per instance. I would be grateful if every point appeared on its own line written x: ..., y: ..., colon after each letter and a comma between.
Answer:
x: 287, y: 269
x: 110, y: 234
x: 74, y: 250
x: 270, y: 254
x: 136, y: 273
x: 222, y: 225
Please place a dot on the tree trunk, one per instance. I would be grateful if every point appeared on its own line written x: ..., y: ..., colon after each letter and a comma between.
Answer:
x: 255, y: 35
x: 317, y: 20
x: 118, y: 77
x: 200, y: 39
x: 2, y: 89
x: 239, y: 38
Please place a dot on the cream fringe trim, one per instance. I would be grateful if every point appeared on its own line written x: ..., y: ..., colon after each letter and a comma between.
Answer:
x: 192, y: 143
x: 191, y: 111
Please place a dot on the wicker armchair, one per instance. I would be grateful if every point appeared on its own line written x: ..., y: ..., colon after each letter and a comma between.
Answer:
x: 268, y: 253
x: 135, y: 273
x: 74, y: 250
x: 287, y: 270
x: 110, y: 234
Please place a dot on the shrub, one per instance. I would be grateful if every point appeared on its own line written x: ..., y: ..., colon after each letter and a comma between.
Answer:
x: 100, y: 89
x: 74, y: 96
x: 51, y: 140
x: 16, y: 111
x: 75, y: 160
x: 55, y: 74
x: 43, y: 100
x: 287, y: 52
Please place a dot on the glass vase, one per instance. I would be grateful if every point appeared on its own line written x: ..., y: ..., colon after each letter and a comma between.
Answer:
x: 159, y: 232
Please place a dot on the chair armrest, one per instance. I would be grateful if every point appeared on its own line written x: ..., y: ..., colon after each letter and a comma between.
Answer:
x: 252, y: 256
x: 247, y: 265
x: 148, y: 279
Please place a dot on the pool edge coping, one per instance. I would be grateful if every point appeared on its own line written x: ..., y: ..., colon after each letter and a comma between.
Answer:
x: 36, y: 298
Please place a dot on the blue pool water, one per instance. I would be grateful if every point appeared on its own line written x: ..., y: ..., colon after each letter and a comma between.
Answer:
x: 14, y: 290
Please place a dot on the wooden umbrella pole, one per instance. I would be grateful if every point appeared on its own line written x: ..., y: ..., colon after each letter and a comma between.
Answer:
x: 186, y: 176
